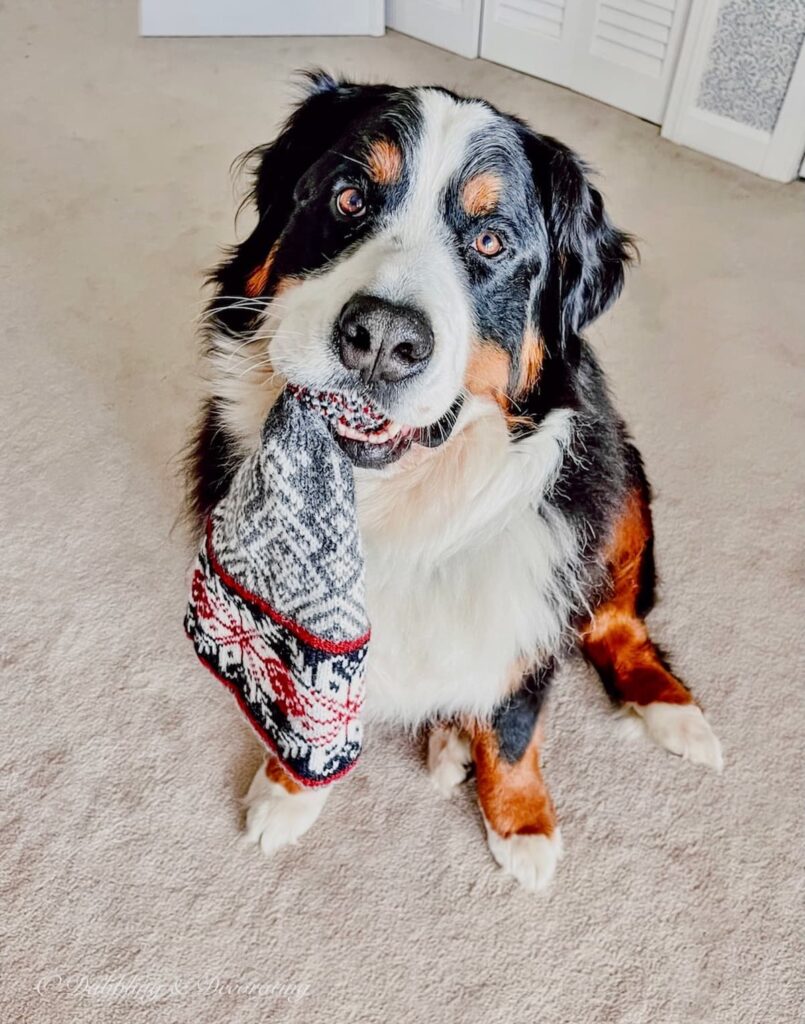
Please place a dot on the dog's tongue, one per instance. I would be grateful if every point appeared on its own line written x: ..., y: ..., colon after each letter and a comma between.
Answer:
x: 344, y: 409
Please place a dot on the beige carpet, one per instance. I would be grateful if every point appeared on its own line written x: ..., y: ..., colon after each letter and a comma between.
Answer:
x: 126, y: 893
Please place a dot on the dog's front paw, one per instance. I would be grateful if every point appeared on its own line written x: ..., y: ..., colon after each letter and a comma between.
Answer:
x: 449, y: 759
x: 682, y: 729
x: 276, y: 817
x: 531, y: 859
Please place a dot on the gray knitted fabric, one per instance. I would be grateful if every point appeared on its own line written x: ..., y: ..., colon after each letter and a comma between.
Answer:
x: 276, y: 609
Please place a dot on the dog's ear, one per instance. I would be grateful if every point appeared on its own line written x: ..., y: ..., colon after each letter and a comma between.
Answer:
x: 588, y: 254
x: 314, y: 126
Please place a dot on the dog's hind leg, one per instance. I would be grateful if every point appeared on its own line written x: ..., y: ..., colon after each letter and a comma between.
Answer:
x: 517, y: 809
x: 449, y: 758
x: 616, y: 641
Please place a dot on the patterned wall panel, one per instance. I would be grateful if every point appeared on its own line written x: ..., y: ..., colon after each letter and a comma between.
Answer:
x: 752, y: 56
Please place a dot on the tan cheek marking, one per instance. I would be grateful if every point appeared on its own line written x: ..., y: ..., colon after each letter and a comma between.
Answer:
x: 531, y: 357
x: 481, y: 193
x: 488, y: 372
x: 258, y: 279
x: 384, y: 162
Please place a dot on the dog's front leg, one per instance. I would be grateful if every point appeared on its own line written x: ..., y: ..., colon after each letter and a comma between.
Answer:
x: 278, y: 810
x: 517, y: 808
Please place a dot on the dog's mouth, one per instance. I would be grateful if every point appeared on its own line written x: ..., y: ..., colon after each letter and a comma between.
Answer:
x: 366, y: 434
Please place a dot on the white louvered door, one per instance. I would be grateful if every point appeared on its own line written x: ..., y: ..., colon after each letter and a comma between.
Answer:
x: 620, y: 51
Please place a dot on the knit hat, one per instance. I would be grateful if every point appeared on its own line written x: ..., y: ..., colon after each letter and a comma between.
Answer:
x: 276, y: 607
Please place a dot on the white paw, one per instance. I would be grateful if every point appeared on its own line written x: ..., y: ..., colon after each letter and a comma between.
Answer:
x: 682, y: 729
x: 531, y: 860
x: 275, y: 817
x: 449, y: 759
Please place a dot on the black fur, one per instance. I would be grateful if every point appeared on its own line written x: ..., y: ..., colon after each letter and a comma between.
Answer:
x: 589, y: 254
x: 209, y: 464
x: 514, y: 720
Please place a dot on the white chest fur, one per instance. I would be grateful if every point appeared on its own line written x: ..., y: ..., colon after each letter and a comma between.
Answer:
x: 461, y: 568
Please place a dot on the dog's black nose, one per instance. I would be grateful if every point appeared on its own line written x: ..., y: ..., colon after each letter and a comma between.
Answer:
x: 383, y: 341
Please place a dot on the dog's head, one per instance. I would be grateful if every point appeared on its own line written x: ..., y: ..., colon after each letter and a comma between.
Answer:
x: 413, y: 247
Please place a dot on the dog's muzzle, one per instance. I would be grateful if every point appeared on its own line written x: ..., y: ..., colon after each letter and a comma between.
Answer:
x: 366, y: 435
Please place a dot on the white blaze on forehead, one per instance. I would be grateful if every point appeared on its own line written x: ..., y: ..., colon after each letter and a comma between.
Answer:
x: 444, y: 148
x: 418, y: 262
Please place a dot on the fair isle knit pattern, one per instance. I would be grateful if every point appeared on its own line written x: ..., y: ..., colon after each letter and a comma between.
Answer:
x: 276, y: 607
x: 344, y: 409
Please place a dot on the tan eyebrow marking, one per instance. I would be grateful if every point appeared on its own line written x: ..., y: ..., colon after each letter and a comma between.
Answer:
x: 384, y: 162
x: 480, y: 193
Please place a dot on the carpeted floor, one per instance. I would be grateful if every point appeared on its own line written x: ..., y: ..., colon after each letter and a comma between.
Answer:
x: 126, y: 893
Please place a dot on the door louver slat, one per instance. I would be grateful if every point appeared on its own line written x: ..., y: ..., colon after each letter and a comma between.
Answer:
x: 633, y: 33
x: 620, y: 51
x: 543, y: 16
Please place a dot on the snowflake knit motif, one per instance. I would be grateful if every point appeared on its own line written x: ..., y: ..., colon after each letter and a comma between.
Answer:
x: 276, y: 608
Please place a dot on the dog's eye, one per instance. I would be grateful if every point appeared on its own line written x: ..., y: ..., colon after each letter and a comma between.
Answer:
x: 351, y: 202
x: 488, y: 244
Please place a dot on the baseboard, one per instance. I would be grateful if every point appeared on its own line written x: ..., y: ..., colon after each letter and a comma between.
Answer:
x: 722, y: 138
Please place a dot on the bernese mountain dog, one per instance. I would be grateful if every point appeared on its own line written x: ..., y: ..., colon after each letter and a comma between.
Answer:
x: 440, y: 260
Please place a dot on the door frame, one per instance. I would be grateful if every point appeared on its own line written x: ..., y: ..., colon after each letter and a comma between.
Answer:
x: 453, y: 25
